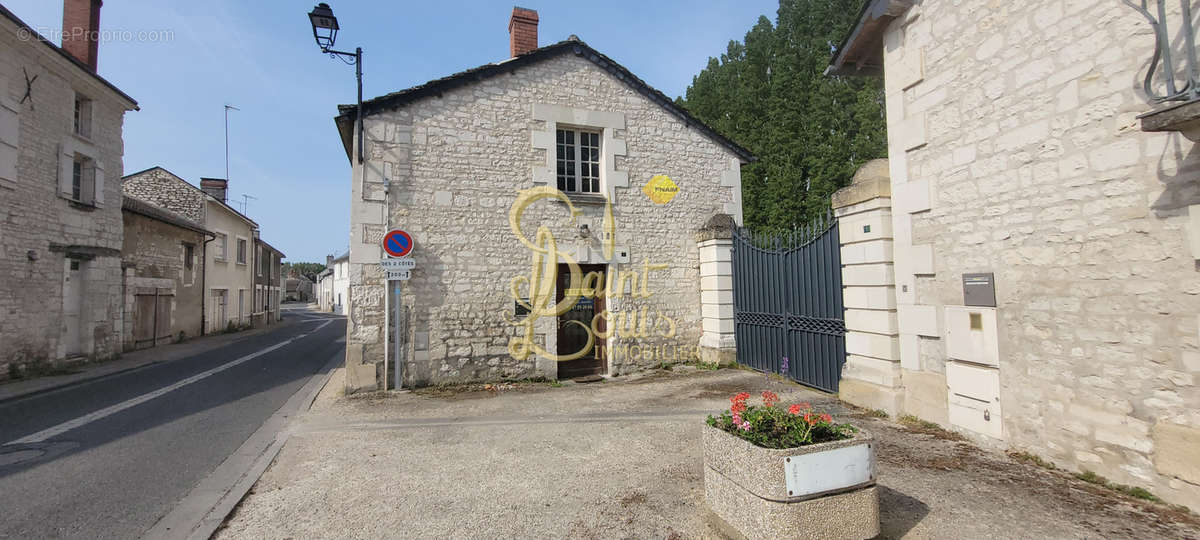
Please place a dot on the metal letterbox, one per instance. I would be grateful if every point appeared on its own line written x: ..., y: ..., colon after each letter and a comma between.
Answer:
x: 979, y: 290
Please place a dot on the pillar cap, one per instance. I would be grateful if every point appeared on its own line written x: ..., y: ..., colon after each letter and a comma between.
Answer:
x: 718, y: 227
x: 871, y: 181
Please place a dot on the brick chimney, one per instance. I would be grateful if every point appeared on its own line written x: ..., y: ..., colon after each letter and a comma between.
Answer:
x: 216, y: 187
x: 81, y: 30
x: 522, y: 31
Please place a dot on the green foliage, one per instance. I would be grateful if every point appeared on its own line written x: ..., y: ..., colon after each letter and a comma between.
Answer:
x: 306, y: 269
x: 771, y: 426
x: 809, y: 131
x: 1135, y: 492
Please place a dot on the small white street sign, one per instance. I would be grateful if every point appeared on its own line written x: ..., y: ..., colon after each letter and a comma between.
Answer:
x: 398, y: 275
x: 397, y: 264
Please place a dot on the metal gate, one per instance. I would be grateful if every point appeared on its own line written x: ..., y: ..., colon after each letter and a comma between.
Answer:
x: 787, y: 298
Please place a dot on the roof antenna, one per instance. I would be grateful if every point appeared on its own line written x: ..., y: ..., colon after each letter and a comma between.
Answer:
x: 228, y: 107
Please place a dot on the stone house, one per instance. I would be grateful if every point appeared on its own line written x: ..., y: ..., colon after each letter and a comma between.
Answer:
x: 268, y: 289
x: 1031, y: 280
x: 228, y: 276
x: 632, y: 177
x: 60, y: 210
x: 298, y: 288
x: 162, y: 265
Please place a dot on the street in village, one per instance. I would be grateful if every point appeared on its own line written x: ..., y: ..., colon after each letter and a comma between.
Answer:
x: 110, y: 457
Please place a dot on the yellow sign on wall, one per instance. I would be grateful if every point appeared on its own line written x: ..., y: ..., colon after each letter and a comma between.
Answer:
x: 660, y: 189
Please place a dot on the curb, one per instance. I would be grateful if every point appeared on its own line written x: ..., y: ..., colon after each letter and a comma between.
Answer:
x: 202, y: 511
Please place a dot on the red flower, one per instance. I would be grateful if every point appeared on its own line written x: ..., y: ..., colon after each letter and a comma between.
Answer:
x: 794, y: 410
x: 826, y: 418
x: 808, y: 417
x: 740, y: 397
x: 769, y: 398
x: 738, y: 407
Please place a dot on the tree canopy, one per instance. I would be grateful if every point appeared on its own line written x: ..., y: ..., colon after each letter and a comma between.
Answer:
x: 306, y: 269
x: 809, y: 131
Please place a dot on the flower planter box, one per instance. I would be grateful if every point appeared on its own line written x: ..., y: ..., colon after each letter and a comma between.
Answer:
x: 824, y: 490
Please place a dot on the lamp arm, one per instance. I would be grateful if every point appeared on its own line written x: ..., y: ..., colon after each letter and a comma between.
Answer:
x: 340, y: 53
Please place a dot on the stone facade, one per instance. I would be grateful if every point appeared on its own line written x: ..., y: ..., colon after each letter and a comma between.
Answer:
x: 1015, y: 149
x: 447, y: 168
x: 54, y: 241
x: 162, y: 261
x: 228, y: 275
x: 268, y: 279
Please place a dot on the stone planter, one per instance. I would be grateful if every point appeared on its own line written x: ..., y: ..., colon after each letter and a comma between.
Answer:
x: 824, y: 490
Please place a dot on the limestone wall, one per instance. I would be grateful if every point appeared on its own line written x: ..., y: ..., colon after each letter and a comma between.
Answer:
x: 1015, y: 149
x: 159, y: 186
x: 154, y: 257
x: 39, y: 227
x: 455, y: 163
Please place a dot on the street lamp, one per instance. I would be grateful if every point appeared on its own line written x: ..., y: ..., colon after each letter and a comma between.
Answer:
x: 325, y: 28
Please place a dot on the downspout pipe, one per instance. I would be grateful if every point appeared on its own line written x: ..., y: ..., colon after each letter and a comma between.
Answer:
x: 204, y: 284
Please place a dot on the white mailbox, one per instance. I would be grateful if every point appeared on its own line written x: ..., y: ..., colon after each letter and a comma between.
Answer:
x: 974, y: 398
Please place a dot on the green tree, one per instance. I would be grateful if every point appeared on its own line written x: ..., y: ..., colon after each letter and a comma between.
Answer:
x: 809, y: 131
x: 306, y: 269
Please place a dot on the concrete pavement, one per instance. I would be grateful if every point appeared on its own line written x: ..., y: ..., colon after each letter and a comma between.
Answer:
x: 109, y: 457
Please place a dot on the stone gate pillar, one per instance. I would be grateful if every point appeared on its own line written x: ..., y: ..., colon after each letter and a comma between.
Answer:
x: 871, y: 376
x: 715, y: 243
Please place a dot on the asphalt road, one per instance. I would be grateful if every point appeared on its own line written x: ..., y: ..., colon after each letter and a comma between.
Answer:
x: 108, y: 458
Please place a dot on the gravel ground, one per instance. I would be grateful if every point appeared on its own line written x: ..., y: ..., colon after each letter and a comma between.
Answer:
x: 621, y: 459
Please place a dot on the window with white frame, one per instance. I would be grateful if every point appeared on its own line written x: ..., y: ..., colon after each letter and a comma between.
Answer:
x: 83, y: 180
x: 221, y: 247
x: 241, y: 251
x: 83, y: 116
x: 578, y: 160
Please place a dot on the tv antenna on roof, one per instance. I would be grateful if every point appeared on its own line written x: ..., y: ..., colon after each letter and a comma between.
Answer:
x: 246, y: 203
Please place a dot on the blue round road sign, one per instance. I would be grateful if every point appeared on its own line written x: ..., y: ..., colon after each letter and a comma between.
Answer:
x: 397, y: 243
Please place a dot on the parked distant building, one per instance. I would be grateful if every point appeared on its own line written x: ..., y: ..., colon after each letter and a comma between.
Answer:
x: 323, y: 288
x: 447, y: 160
x: 1025, y: 264
x: 298, y: 288
x: 228, y: 276
x: 339, y: 298
x: 162, y: 263
x: 60, y: 207
x: 268, y: 290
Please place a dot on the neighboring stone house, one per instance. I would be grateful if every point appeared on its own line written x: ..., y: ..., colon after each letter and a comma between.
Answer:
x: 268, y: 291
x: 228, y: 275
x: 60, y: 207
x: 339, y: 297
x: 163, y: 263
x: 446, y: 161
x: 323, y: 288
x: 298, y: 288
x: 1018, y: 164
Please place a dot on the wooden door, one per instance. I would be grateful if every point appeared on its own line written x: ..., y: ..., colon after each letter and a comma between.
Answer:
x: 571, y: 337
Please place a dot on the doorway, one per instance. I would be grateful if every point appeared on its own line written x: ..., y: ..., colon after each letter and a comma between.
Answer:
x: 572, y: 337
x: 73, y: 307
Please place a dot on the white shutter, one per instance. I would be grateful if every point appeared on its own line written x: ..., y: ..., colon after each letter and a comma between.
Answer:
x: 99, y: 184
x: 10, y: 130
x: 66, y: 159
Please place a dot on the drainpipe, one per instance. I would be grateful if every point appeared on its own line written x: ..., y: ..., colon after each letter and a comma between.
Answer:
x: 204, y: 285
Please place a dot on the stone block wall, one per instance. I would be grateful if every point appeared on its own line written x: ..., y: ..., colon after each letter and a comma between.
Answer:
x: 153, y: 257
x: 453, y: 166
x: 39, y: 228
x: 159, y: 186
x: 1015, y: 149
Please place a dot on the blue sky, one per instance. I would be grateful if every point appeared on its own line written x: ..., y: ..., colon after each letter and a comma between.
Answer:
x: 260, y: 57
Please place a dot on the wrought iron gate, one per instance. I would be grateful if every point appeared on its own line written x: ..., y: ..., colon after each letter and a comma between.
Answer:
x: 787, y: 298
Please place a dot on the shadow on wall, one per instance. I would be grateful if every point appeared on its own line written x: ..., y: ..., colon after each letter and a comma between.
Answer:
x: 1181, y: 181
x: 429, y: 273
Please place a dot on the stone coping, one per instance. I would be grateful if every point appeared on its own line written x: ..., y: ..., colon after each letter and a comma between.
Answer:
x: 761, y: 470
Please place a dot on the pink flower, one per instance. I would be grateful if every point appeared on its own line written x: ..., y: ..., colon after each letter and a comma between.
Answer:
x: 737, y: 418
x: 745, y: 426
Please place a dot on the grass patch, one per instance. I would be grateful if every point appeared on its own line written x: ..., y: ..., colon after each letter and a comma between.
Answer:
x: 1032, y: 459
x: 876, y: 413
x: 1131, y: 491
x: 707, y: 366
x: 929, y: 428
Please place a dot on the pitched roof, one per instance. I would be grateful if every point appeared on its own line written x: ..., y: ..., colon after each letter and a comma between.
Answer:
x: 573, y: 45
x: 29, y: 31
x: 861, y: 51
x: 202, y: 192
x: 270, y: 247
x: 159, y: 213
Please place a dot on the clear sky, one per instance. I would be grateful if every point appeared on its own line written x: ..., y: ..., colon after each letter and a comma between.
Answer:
x: 183, y: 61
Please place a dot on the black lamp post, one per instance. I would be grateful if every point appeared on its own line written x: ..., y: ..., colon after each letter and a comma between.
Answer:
x: 325, y: 29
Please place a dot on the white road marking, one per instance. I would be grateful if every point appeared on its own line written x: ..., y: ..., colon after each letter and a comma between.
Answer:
x: 69, y: 425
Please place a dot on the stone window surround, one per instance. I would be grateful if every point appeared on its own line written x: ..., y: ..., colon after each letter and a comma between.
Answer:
x: 605, y: 122
x: 72, y: 147
x: 84, y: 106
x: 221, y: 256
x: 238, y: 241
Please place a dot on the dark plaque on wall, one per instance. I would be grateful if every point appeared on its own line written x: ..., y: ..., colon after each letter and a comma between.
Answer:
x: 979, y: 290
x: 520, y: 310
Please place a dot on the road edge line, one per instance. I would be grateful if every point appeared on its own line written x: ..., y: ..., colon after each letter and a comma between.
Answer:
x: 202, y: 511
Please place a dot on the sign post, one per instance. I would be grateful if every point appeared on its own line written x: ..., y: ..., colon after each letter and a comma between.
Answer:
x: 398, y: 269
